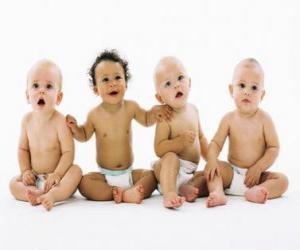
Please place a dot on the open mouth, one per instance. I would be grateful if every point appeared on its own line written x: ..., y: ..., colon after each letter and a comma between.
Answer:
x: 41, y: 102
x: 113, y: 93
x: 179, y: 94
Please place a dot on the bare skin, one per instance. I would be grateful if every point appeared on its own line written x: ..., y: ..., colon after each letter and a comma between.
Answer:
x: 46, y: 145
x: 111, y: 123
x: 253, y: 142
x: 180, y: 138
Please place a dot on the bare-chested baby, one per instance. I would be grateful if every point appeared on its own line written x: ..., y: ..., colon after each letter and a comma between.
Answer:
x: 180, y: 142
x: 253, y: 144
x: 46, y: 146
x: 111, y: 123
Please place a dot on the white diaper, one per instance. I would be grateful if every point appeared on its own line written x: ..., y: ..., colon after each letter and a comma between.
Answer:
x: 186, y: 172
x: 40, y: 181
x: 118, y: 178
x: 237, y: 186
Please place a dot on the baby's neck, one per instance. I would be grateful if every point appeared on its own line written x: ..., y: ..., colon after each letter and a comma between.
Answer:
x: 112, y: 108
x: 179, y: 110
x: 43, y: 116
x: 247, y: 115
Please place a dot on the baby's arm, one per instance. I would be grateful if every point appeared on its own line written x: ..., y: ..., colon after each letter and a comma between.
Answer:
x: 163, y: 144
x: 215, y: 147
x: 272, y: 150
x: 28, y: 177
x: 148, y: 118
x: 67, y: 156
x: 81, y: 133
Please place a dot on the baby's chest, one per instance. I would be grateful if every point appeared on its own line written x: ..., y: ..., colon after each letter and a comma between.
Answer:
x: 247, y: 132
x: 179, y: 126
x: 43, y: 139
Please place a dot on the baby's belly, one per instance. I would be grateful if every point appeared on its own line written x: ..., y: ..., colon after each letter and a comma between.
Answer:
x: 114, y: 157
x: 45, y: 163
x: 244, y: 159
x: 191, y: 154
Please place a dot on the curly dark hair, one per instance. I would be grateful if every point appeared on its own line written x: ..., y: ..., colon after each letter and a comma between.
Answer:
x: 108, y: 55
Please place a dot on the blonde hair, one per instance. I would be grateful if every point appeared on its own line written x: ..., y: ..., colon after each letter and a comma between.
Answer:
x: 46, y: 63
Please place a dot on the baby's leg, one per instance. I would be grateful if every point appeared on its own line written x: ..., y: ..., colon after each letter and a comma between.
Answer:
x: 144, y: 184
x: 24, y: 193
x: 194, y: 188
x: 216, y: 186
x: 166, y: 171
x: 64, y: 189
x: 93, y: 186
x: 273, y: 185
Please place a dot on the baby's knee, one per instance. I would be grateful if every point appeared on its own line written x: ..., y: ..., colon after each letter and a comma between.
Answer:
x: 76, y: 170
x: 283, y: 180
x: 170, y: 158
x: 13, y: 183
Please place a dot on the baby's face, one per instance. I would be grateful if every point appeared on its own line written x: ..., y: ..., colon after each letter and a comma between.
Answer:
x: 110, y: 82
x: 172, y: 84
x: 43, y: 88
x: 247, y: 88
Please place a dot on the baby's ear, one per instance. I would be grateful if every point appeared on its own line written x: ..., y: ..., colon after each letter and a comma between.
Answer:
x: 263, y: 95
x: 230, y: 89
x: 95, y: 89
x: 27, y: 96
x: 59, y: 98
x: 158, y: 97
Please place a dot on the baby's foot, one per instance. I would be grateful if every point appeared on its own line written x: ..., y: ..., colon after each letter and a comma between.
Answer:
x: 257, y: 194
x: 189, y: 192
x: 47, y: 201
x: 134, y: 194
x: 32, y: 196
x: 173, y: 200
x: 216, y: 199
x: 117, y: 194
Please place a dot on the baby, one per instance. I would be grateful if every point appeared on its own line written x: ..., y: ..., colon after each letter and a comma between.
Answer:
x: 46, y: 147
x: 180, y: 142
x: 111, y: 123
x: 253, y: 144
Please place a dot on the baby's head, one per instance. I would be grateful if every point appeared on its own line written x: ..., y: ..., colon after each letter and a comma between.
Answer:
x: 44, y: 83
x: 171, y: 82
x: 109, y: 75
x: 247, y: 87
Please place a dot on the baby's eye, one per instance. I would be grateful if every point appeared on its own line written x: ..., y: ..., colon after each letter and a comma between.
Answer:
x: 180, y: 78
x: 118, y: 78
x: 242, y: 85
x: 167, y: 84
x: 254, y: 87
x: 49, y: 86
x: 35, y: 86
x: 105, y: 79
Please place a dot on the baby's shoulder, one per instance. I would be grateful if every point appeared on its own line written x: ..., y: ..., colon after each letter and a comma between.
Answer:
x: 26, y: 119
x: 228, y: 117
x: 263, y: 116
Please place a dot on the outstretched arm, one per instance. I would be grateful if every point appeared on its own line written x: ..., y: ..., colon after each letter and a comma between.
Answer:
x: 157, y: 113
x: 81, y: 133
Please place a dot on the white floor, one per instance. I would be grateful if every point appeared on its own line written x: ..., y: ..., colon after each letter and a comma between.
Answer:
x: 82, y: 224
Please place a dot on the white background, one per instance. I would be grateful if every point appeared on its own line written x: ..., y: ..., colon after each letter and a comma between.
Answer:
x: 210, y: 37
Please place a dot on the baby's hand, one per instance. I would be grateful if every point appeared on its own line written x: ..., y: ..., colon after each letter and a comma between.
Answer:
x: 211, y: 169
x: 162, y: 112
x: 28, y: 178
x: 71, y: 122
x: 253, y: 176
x: 188, y: 138
x: 52, y: 180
